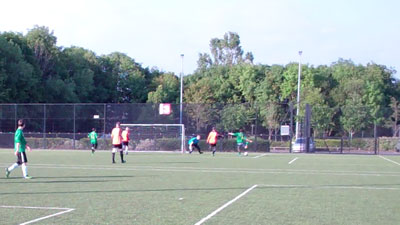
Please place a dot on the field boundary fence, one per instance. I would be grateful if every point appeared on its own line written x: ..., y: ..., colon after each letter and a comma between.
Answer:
x: 66, y: 126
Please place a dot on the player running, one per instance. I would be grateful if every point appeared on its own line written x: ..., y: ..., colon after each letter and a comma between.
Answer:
x: 193, y: 142
x: 19, y: 147
x: 212, y: 140
x: 125, y: 140
x: 241, y: 140
x: 116, y: 139
x: 93, y: 139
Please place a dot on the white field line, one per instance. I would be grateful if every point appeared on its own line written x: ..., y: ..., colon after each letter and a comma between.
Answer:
x: 225, y: 205
x: 260, y: 156
x: 65, y: 210
x: 293, y: 160
x: 326, y: 187
x: 223, y: 170
x: 38, y: 165
x: 389, y: 160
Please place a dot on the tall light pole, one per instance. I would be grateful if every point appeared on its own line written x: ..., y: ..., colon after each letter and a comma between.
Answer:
x: 181, y: 93
x: 298, y: 97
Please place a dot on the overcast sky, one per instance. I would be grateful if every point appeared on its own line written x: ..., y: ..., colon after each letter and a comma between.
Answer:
x: 156, y: 32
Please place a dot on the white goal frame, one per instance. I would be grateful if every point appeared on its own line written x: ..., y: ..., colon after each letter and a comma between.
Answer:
x: 182, y: 126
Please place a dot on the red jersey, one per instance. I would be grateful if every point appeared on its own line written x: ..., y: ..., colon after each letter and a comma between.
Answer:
x: 212, y: 137
x: 125, y: 136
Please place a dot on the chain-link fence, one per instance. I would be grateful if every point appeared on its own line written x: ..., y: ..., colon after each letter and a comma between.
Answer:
x: 66, y: 126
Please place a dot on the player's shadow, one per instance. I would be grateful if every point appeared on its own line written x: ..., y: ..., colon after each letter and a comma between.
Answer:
x: 172, y: 162
x: 34, y: 181
x: 322, y: 186
x: 127, y: 191
x: 88, y: 179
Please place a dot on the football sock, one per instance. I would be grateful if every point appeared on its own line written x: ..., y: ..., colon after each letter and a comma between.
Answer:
x: 24, y: 170
x: 113, y: 157
x: 122, y: 156
x: 13, y: 166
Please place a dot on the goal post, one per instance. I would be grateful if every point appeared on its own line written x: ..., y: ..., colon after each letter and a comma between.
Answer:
x: 152, y: 134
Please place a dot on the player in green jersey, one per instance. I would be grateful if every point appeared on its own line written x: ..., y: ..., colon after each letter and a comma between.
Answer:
x: 93, y: 139
x: 20, y: 146
x: 241, y: 140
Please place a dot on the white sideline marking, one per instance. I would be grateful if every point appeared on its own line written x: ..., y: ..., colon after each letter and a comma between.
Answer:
x: 293, y: 160
x: 217, y: 170
x: 72, y: 166
x: 225, y: 205
x: 326, y: 187
x: 389, y: 160
x: 259, y: 156
x: 66, y: 210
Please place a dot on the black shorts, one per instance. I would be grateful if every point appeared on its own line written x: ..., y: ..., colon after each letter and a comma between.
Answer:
x: 213, y: 145
x: 21, y: 158
x: 125, y: 143
x: 94, y: 146
x: 119, y: 146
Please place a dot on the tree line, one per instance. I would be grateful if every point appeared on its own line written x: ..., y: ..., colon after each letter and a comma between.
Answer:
x: 33, y: 69
x: 344, y: 95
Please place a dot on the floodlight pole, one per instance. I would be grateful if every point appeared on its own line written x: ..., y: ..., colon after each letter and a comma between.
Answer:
x: 298, y: 97
x: 181, y: 93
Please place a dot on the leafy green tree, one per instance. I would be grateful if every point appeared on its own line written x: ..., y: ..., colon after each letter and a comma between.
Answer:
x: 289, y: 84
x: 79, y: 63
x: 168, y: 89
x: 43, y: 43
x: 130, y: 79
x: 234, y: 117
x: 227, y: 51
x: 394, y: 117
x: 271, y: 115
x: 17, y: 78
x: 200, y: 99
x: 354, y: 116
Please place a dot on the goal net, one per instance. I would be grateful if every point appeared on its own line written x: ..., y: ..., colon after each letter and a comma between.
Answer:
x: 157, y: 137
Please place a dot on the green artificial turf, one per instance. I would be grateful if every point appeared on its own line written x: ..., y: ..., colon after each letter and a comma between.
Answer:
x: 173, y: 188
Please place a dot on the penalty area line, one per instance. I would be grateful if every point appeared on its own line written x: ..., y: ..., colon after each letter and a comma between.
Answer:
x: 225, y: 205
x: 389, y: 160
x: 65, y: 210
x: 255, y: 157
x: 293, y: 160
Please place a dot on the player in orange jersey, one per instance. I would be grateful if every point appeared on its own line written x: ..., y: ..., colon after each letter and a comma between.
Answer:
x: 212, y: 140
x: 125, y: 140
x: 116, y: 139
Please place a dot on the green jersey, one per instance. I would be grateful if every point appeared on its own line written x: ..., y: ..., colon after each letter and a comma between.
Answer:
x: 240, y: 138
x: 19, y: 138
x: 93, y: 137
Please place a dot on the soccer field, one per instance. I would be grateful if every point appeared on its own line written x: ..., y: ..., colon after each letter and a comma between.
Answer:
x: 75, y: 187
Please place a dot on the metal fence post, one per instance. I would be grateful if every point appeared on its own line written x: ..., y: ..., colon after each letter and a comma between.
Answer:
x: 104, y: 125
x: 15, y: 117
x: 44, y: 127
x: 341, y: 145
x: 73, y: 142
x: 375, y: 139
x: 291, y: 126
x: 307, y: 127
x: 255, y: 131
